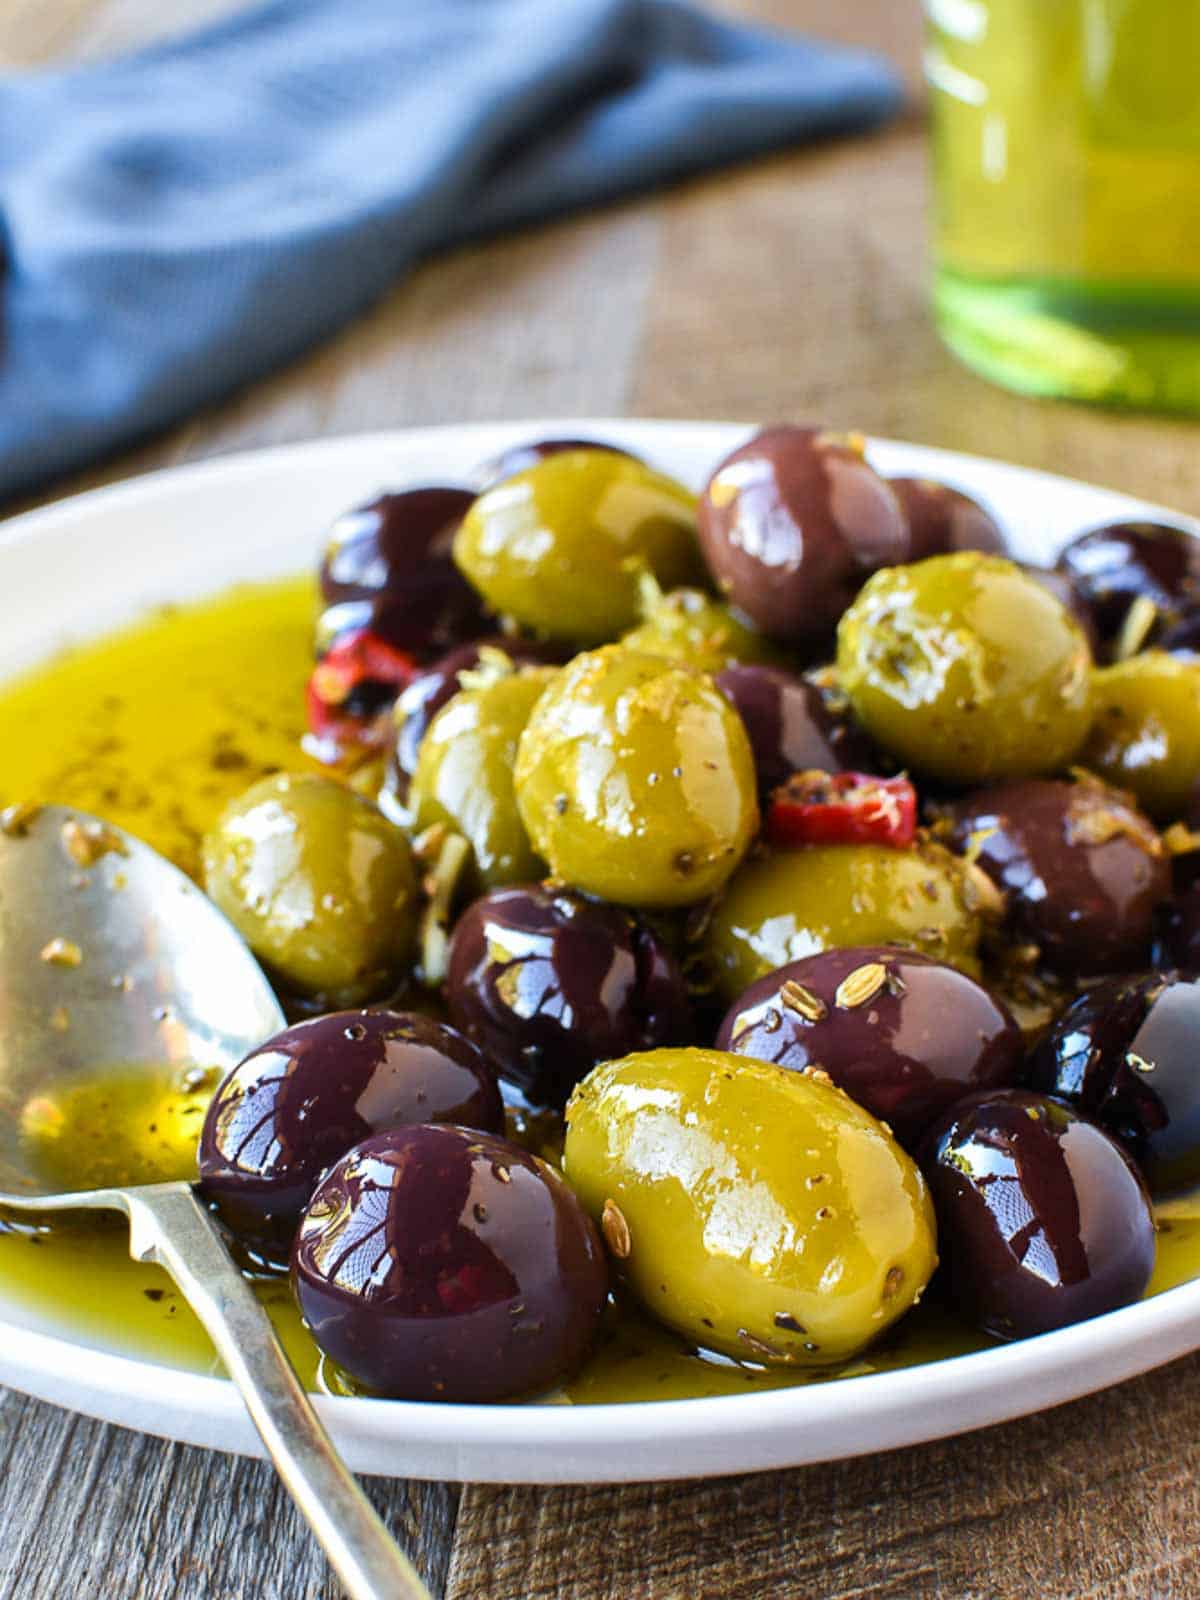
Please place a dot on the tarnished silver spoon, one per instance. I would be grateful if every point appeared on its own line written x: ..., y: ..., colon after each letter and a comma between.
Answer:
x: 110, y: 958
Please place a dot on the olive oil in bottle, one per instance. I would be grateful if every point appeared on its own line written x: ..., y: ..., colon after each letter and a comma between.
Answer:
x: 1066, y: 151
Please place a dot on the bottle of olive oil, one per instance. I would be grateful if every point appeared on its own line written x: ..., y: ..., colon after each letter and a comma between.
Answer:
x: 1066, y: 151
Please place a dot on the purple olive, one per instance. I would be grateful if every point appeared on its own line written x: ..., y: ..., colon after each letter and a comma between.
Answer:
x: 1082, y: 869
x: 792, y: 726
x: 425, y: 696
x: 792, y: 524
x: 300, y: 1101
x: 1181, y: 935
x: 1125, y: 1054
x: 1114, y: 565
x: 436, y: 1263
x: 922, y: 1035
x: 942, y: 520
x: 518, y: 457
x: 387, y: 566
x: 1182, y: 637
x: 1185, y: 866
x: 1042, y: 1219
x: 548, y: 983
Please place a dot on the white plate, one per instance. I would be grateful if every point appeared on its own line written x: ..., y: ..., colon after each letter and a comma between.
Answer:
x: 76, y: 569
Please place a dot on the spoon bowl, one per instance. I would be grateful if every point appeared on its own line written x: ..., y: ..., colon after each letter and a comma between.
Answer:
x: 114, y: 964
x: 110, y: 959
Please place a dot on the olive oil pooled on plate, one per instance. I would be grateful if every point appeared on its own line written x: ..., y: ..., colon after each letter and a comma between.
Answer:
x: 168, y: 721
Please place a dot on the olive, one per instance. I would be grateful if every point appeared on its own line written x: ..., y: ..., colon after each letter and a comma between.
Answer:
x: 1182, y: 637
x: 966, y: 669
x: 1146, y: 734
x: 424, y: 697
x: 464, y: 774
x: 635, y: 780
x: 319, y: 884
x: 1187, y: 860
x: 561, y: 546
x: 759, y: 1212
x: 690, y: 626
x: 791, y: 523
x: 296, y: 1104
x: 792, y: 725
x: 903, y: 1036
x: 942, y: 519
x: 548, y: 983
x: 1081, y: 867
x: 783, y: 906
x: 1114, y: 565
x: 388, y: 566
x: 1124, y: 1054
x: 439, y: 1263
x: 1182, y: 933
x: 1042, y: 1219
x: 1064, y: 591
x: 519, y: 457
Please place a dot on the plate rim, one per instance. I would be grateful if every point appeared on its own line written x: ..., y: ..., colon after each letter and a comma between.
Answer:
x: 652, y: 1438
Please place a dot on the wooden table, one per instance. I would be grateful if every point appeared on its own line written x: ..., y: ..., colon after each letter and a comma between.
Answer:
x: 792, y: 288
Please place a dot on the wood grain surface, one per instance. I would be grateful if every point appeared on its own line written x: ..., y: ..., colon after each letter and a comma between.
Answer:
x: 791, y: 287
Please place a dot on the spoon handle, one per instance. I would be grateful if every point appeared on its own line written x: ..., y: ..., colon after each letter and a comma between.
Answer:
x: 168, y: 1225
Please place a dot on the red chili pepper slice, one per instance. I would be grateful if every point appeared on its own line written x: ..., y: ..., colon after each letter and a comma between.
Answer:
x: 358, y: 659
x: 843, y: 808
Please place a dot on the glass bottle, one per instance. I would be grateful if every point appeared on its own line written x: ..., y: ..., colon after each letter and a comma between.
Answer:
x: 1066, y: 151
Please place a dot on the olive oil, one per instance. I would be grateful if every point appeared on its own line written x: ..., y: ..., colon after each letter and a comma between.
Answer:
x: 77, y: 1272
x: 126, y: 1125
x: 156, y: 729
x: 1066, y: 153
x: 158, y: 726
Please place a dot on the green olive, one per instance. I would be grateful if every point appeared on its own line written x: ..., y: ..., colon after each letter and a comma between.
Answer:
x: 761, y: 1212
x: 967, y: 669
x: 689, y: 625
x: 560, y: 547
x: 1146, y: 736
x: 464, y: 775
x: 636, y: 780
x: 795, y: 903
x: 319, y: 884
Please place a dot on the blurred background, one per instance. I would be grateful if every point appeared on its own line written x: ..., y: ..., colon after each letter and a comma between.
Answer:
x: 796, y: 284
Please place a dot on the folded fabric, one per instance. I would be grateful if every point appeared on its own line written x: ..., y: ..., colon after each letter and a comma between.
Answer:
x: 178, y: 221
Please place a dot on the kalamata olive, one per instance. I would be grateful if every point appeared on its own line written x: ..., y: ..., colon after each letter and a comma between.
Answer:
x: 1125, y: 1054
x: 1082, y: 868
x: 387, y: 566
x: 519, y: 456
x: 942, y: 519
x: 1114, y: 565
x: 792, y: 725
x: 792, y: 523
x: 298, y: 1103
x: 904, y: 1036
x: 425, y: 696
x: 437, y: 1263
x: 547, y: 983
x: 1182, y: 637
x: 1042, y: 1218
x: 1181, y: 935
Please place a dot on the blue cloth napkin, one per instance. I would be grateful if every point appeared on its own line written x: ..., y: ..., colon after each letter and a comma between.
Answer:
x: 178, y: 221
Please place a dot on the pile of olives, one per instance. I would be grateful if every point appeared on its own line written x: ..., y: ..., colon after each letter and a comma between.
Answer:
x: 761, y: 901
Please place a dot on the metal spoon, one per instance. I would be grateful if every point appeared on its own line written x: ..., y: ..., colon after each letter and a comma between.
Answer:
x: 110, y: 957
